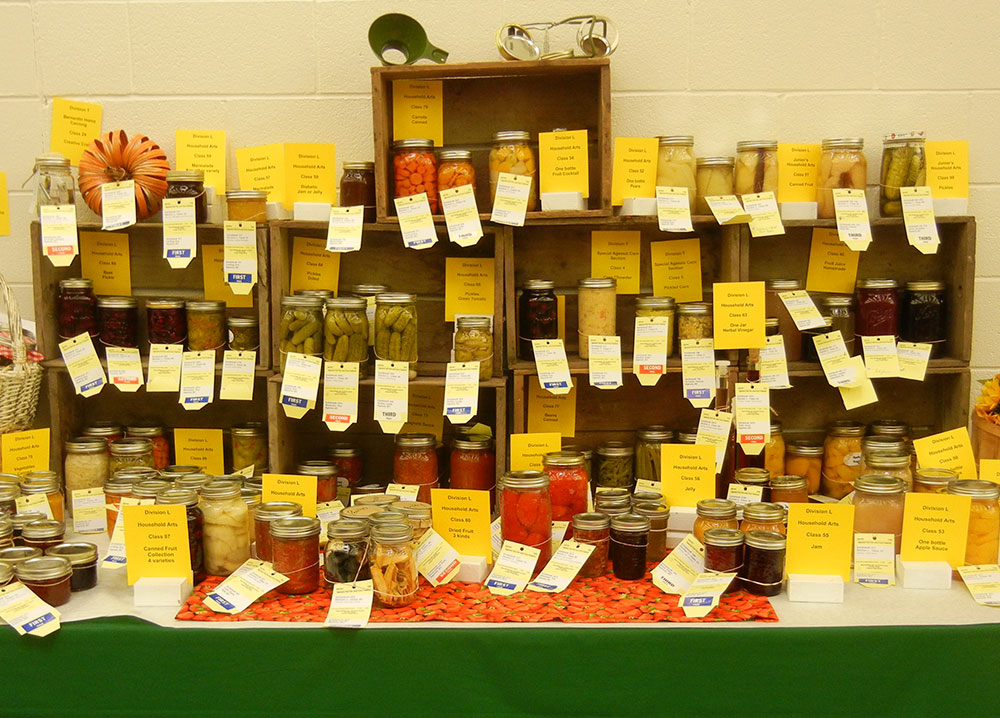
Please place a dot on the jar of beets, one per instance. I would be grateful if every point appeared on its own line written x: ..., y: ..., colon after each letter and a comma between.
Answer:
x: 166, y: 321
x: 77, y: 308
x: 537, y: 316
x: 117, y: 321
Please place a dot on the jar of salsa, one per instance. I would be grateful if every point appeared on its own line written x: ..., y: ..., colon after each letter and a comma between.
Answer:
x: 512, y: 154
x: 357, y: 187
x: 206, y: 325
x: 415, y: 463
x: 568, y: 485
x: 763, y: 516
x: 246, y: 205
x: 537, y: 316
x: 983, y: 540
x: 43, y: 534
x: 244, y: 333
x: 350, y: 466
x: 593, y: 529
x: 295, y: 552
x: 473, y: 465
x: 166, y: 322
x: 346, y: 557
x: 878, y: 307
x: 629, y: 537
x: 195, y: 525
x: 161, y: 447
x: 526, y: 512
x: 724, y: 553
x: 83, y: 558
x: 933, y: 481
x: 763, y: 563
x: 414, y: 170
x: 789, y: 490
x: 263, y: 515
x: 189, y: 183
x: 46, y: 482
x: 455, y: 169
x: 77, y: 308
x: 49, y: 578
x: 659, y: 517
x: 118, y: 321
x: 326, y: 478
x: 714, y: 514
x: 924, y: 315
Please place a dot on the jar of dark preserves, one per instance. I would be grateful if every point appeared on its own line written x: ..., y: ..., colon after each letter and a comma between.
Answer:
x: 47, y: 576
x: 763, y: 563
x: 538, y: 316
x: 878, y: 307
x: 77, y: 308
x: 924, y: 319
x: 357, y: 187
x: 83, y: 559
x: 629, y: 536
x: 593, y: 529
x: 166, y: 321
x: 724, y: 553
x: 189, y: 183
x: 195, y: 525
x: 118, y: 321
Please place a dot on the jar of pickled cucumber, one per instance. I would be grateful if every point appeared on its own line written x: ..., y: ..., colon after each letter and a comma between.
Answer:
x: 648, y: 443
x: 904, y: 164
x: 756, y: 166
x: 474, y: 342
x: 659, y: 307
x: 694, y: 321
x: 841, y: 458
x: 346, y: 331
x: 676, y: 165
x: 301, y: 327
x: 396, y: 327
x: 512, y: 154
x: 841, y: 166
x: 714, y: 177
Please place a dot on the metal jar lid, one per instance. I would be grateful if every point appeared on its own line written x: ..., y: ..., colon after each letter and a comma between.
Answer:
x: 273, y: 510
x: 525, y: 480
x: 878, y: 283
x: 379, y: 500
x: 86, y: 445
x: 131, y: 446
x: 698, y: 308
x: 724, y: 538
x: 925, y: 285
x: 117, y: 302
x: 716, y: 509
x: 343, y: 451
x: 302, y: 301
x: 395, y: 298
x: 185, y: 176
x: 771, y: 323
x: 294, y: 527
x: 656, y: 433
x: 652, y: 510
x: 76, y: 283
x: 358, y: 304
x: 802, y: 448
x: 205, y: 305
x: 44, y: 568
x: 392, y: 533
x: 414, y: 143
x: 245, y: 194
x: 647, y: 497
x: 783, y: 285
x: 675, y: 140
x: 767, y: 540
x: 597, y: 283
x: 649, y: 302
x: 19, y: 521
x: 386, y: 516
x: 180, y: 469
x: 879, y: 484
x: 539, y: 284
x: 512, y: 136
x: 177, y: 497
x: 764, y: 511
x: 591, y: 521
x: 51, y: 161
x: 143, y: 431
x: 887, y: 461
x: 687, y: 437
x: 6, y: 526
x: 150, y: 488
x: 16, y: 554
x: 613, y: 511
x: 630, y: 523
x: 251, y: 497
x: 40, y: 485
x: 44, y: 529
x: 975, y: 488
x: 102, y: 428
x: 843, y: 143
x: 471, y: 444
x: 414, y: 441
x: 347, y: 529
x: 746, y: 145
x: 78, y: 554
x: 369, y: 290
x: 249, y: 430
x: 242, y: 322
x: 453, y: 155
x: 753, y: 476
x: 788, y: 483
x: 715, y: 162
x: 615, y: 448
x: 613, y: 502
x: 412, y: 510
x: 363, y: 165
x: 360, y: 512
x: 775, y: 426
x: 256, y: 483
x: 605, y: 495
x: 9, y: 492
x: 318, y: 467
x: 837, y: 301
x: 323, y: 294
x: 473, y: 322
x: 846, y: 428
x: 220, y: 490
x: 935, y: 477
x: 165, y: 303
x: 563, y: 458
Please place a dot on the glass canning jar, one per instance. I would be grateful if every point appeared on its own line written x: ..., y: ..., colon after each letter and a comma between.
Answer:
x: 48, y: 577
x: 714, y: 177
x: 841, y: 458
x: 984, y: 520
x: 789, y: 490
x: 897, y: 465
x: 676, y: 165
x: 842, y: 165
x: 161, y: 446
x: 694, y: 321
x: 756, y: 166
x: 646, y: 306
x: 149, y: 488
x: 724, y: 553
x: 166, y: 322
x: 629, y: 538
x: 347, y: 552
x: 47, y: 483
x: 714, y: 514
x: 295, y: 553
x: 614, y: 466
x: 244, y: 333
x: 368, y: 292
x: 774, y: 451
x: 924, y: 316
x: 206, y: 325
x: 537, y: 316
x: 588, y: 457
x: 109, y: 430
x: 890, y: 427
x: 350, y: 465
x: 512, y: 154
x: 301, y: 326
x: 568, y: 485
x: 118, y: 321
x: 393, y: 564
x: 414, y: 170
x: 131, y: 452
x: 754, y: 476
x: 6, y: 574
x: 189, y: 183
x: 8, y: 499
x: 6, y: 531
x: 226, y: 535
x: 455, y: 169
x: 396, y: 327
x: 116, y: 488
x: 763, y: 563
x: 648, y: 443
x: 596, y: 315
x: 878, y: 506
x: 840, y: 309
x: 13, y: 556
x: 326, y: 478
x: 263, y: 515
x: 904, y: 164
x: 474, y: 342
x: 86, y: 465
x: 43, y: 534
x: 659, y: 517
x: 526, y: 512
x: 418, y: 516
x: 415, y: 463
x: 593, y: 529
x: 195, y: 525
x: 246, y: 205
x: 55, y: 184
x: 774, y: 307
x: 878, y: 307
x: 345, y: 331
x: 473, y: 464
x: 933, y: 481
x: 357, y: 187
x: 77, y: 308
x: 763, y: 516
x: 250, y: 448
x: 808, y: 340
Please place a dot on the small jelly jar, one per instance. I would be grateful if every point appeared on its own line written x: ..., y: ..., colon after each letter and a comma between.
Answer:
x: 593, y: 529
x: 763, y: 563
x: 46, y: 482
x: 789, y: 489
x: 43, y: 534
x: 659, y: 517
x: 189, y: 183
x: 77, y: 308
x: 724, y: 553
x: 49, y: 577
x: 166, y: 322
x: 244, y: 333
x: 295, y: 553
x: 246, y: 205
x: 629, y: 536
x: 878, y: 307
x: 83, y: 558
x: 118, y: 321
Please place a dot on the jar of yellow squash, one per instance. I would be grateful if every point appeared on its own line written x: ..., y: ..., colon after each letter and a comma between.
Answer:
x: 806, y: 460
x: 676, y: 165
x: 512, y: 154
x: 841, y: 458
x: 983, y: 542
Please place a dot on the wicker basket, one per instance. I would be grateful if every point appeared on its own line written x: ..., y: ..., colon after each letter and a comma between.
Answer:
x: 985, y: 439
x: 20, y: 381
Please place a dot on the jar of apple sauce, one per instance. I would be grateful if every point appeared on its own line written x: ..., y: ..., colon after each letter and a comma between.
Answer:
x: 984, y: 520
x: 676, y: 165
x: 878, y: 506
x: 933, y: 481
x: 714, y: 514
x: 756, y: 167
x: 841, y: 458
x: 714, y: 177
x: 842, y: 165
x: 805, y: 460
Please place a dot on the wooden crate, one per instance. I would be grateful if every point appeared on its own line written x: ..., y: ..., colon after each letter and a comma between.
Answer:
x: 383, y: 259
x: 151, y: 277
x: 985, y: 439
x: 483, y: 98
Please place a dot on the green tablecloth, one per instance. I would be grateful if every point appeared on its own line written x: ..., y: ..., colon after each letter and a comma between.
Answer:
x: 126, y: 667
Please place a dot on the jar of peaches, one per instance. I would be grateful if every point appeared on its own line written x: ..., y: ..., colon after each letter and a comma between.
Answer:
x: 806, y: 460
x: 841, y: 458
x: 774, y: 451
x: 983, y: 541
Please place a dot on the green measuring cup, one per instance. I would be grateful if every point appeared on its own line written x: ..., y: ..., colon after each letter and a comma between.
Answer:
x: 400, y: 40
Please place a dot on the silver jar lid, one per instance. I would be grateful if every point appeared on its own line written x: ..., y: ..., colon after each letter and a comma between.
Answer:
x: 6, y: 574
x: 452, y: 155
x: 294, y: 527
x: 935, y: 477
x: 16, y: 554
x: 412, y: 510
x: 243, y: 322
x: 177, y: 497
x: 358, y: 304
x: 273, y: 510
x: 879, y: 460
x: 563, y: 458
x: 747, y: 145
x: 78, y: 554
x: 102, y: 428
x: 395, y: 298
x: 369, y: 290
x: 762, y: 511
x: 925, y: 285
x: 150, y: 488
x: 246, y: 194
x: 767, y: 540
x: 9, y: 492
x: 802, y: 448
x: 879, y: 484
x: 302, y: 301
x: 317, y: 467
x: 473, y: 322
x: 249, y: 429
x: 615, y: 448
x: 539, y: 284
x: 699, y: 308
x: 471, y: 444
x: 649, y: 302
x: 846, y: 428
x: 52, y: 161
x: 343, y: 450
x: 753, y: 476
x: 76, y: 283
x: 724, y: 538
x: 130, y: 447
x: 606, y: 495
x: 414, y: 143
x: 715, y: 162
x: 86, y: 445
x: 392, y: 533
x: 181, y: 469
x: 687, y: 437
x: 6, y: 526
x: 783, y: 285
x: 220, y: 490
x: 132, y: 432
x: 512, y: 136
x: 347, y: 529
x: 878, y: 283
x: 716, y: 509
x: 379, y: 501
x: 323, y: 294
x: 205, y: 305
x: 656, y: 433
x: 843, y: 143
x: 975, y: 488
x: 837, y: 300
x: 771, y: 323
x: 415, y: 441
x: 630, y: 523
x: 386, y: 516
x: 788, y: 483
x: 775, y: 426
x: 44, y: 529
x: 362, y: 165
x: 597, y: 283
x: 591, y: 521
x: 117, y: 302
x: 675, y: 140
x: 44, y: 568
x: 40, y: 485
x: 185, y: 176
x: 165, y: 303
x: 652, y: 510
x: 647, y: 497
x: 525, y: 480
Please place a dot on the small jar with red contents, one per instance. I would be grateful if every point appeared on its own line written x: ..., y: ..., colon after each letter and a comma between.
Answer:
x: 77, y: 308
x: 414, y: 169
x: 878, y: 308
x: 593, y: 529
x: 568, y: 485
x: 48, y: 577
x: 295, y: 553
x: 263, y: 515
x: 526, y: 512
x: 326, y: 478
x: 473, y: 465
x: 415, y: 463
x: 350, y: 468
x: 166, y: 321
x: 161, y: 446
x: 118, y: 321
x: 724, y: 553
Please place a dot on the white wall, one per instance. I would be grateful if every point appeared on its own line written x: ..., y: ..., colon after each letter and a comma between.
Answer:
x: 297, y: 71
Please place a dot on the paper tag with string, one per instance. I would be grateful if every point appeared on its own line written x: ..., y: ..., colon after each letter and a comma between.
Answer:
x: 551, y: 365
x: 351, y: 604
x: 698, y: 371
x: 461, y: 215
x: 415, y: 221
x: 605, y: 361
x: 244, y: 586
x: 513, y: 569
x: 180, y: 234
x: 673, y: 209
x: 704, y: 593
x: 343, y: 232
x: 461, y: 391
x: 753, y: 417
x: 60, y: 241
x: 562, y: 568
x: 25, y: 612
x: 83, y: 365
x: 918, y: 216
x: 300, y: 384
x: 675, y: 573
x: 240, y: 256
x: 117, y: 204
x: 340, y: 394
x: 853, y: 226
x: 392, y: 394
x: 649, y: 350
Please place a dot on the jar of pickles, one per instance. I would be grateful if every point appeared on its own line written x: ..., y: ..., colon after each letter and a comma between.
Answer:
x: 924, y: 316
x: 206, y: 325
x: 474, y: 342
x: 415, y: 463
x: 596, y: 311
x: 714, y: 178
x: 878, y: 307
x: 414, y: 170
x: 77, y: 308
x: 189, y: 183
x: 694, y: 321
x: 326, y: 478
x: 756, y: 167
x: 393, y: 564
x: 455, y: 170
x: 86, y: 463
x: 165, y: 321
x: 161, y: 447
x: 226, y: 535
x: 789, y: 490
x: 878, y: 506
x: 763, y: 516
x: 347, y: 552
x: 659, y: 307
x: 537, y: 316
x: 357, y: 187
x: 47, y: 484
x: 840, y: 309
x: 131, y: 452
x: 841, y: 166
x: 246, y: 205
x: 195, y: 525
x: 244, y: 333
x: 648, y: 443
x: 512, y: 154
x: 676, y: 165
x: 714, y: 514
x: 904, y: 164
x: 933, y: 481
x: 249, y: 443
x: 774, y: 451
x: 984, y: 520
x: 301, y: 326
x: 724, y: 553
x: 774, y: 307
x: 841, y: 458
x: 805, y: 460
x: 295, y: 553
x: 263, y: 514
x: 568, y: 485
x: 118, y: 322
x: 526, y: 512
x: 897, y: 465
x: 396, y: 327
x: 346, y: 331
x: 593, y: 529
x: 614, y: 462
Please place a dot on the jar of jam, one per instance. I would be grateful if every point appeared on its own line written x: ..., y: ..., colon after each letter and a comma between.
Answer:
x: 326, y: 478
x: 842, y: 165
x: 878, y: 506
x: 357, y: 187
x: 161, y: 447
x: 350, y: 466
x: 593, y: 529
x: 473, y: 465
x: 596, y: 310
x: 568, y: 485
x: 840, y: 309
x: 614, y: 466
x: 47, y: 483
x: 346, y: 559
x: 924, y: 315
x: 263, y: 515
x: 676, y: 165
x: 537, y: 316
x: 244, y: 333
x: 774, y: 451
x: 188, y: 498
x: 393, y: 565
x: 694, y: 321
x: 983, y: 540
x: 714, y: 514
x: 83, y: 559
x: 904, y: 164
x: 250, y: 446
x: 43, y: 534
x: 841, y: 458
x: 295, y: 552
x: 455, y: 169
x: 659, y: 517
x: 6, y: 532
x: 933, y: 481
x: 763, y: 563
x: 414, y: 170
x: 648, y: 445
x: 629, y: 537
x: 8, y: 499
x: 131, y: 452
x: 49, y: 577
x: 763, y: 516
x: 805, y: 460
x: 118, y: 321
x: 789, y: 490
x: 714, y: 177
x: 396, y: 327
x: 108, y: 430
x: 417, y: 515
x: 10, y: 557
x: 77, y: 308
x: 189, y: 183
x: 753, y: 476
x: 774, y: 307
x: 206, y: 325
x: 512, y: 154
x: 724, y: 553
x: 756, y: 167
x: 526, y: 512
x: 416, y: 463
x: 246, y: 205
x: 878, y: 307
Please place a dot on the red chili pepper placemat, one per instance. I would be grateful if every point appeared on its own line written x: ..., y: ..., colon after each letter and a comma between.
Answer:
x: 587, y: 600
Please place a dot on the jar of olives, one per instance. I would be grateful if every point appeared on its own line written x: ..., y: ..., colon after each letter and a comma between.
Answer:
x: 474, y: 342
x: 301, y: 326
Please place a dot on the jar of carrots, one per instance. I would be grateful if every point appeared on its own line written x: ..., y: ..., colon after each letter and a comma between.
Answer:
x: 414, y: 170
x: 455, y: 169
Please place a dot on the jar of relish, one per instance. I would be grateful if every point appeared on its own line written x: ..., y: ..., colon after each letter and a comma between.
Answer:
x: 537, y: 316
x: 77, y: 308
x: 189, y: 183
x: 357, y: 187
x: 593, y: 529
x: 416, y: 463
x: 166, y: 322
x: 206, y: 325
x: 118, y: 321
x: 244, y: 333
x: 878, y: 307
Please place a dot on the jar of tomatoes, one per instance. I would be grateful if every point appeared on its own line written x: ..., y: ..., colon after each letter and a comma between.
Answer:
x: 512, y: 154
x: 983, y: 539
x: 526, y: 512
x: 161, y: 446
x: 878, y: 307
x: 455, y: 169
x: 166, y: 322
x: 568, y: 485
x: 118, y: 321
x: 414, y: 169
x: 473, y: 465
x: 77, y: 308
x: 295, y: 553
x: 326, y: 478
x: 841, y: 458
x: 416, y: 463
x: 108, y: 430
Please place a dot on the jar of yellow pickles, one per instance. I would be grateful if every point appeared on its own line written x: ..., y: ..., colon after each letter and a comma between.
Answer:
x: 841, y: 458
x: 676, y: 165
x: 512, y: 154
x: 774, y: 451
x: 806, y: 460
x: 714, y: 177
x: 756, y: 166
x: 984, y: 520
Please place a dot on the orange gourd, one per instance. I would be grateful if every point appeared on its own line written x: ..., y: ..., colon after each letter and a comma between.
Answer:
x: 113, y: 157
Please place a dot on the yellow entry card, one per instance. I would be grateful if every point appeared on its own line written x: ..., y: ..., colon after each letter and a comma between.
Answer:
x: 288, y: 487
x: 214, y: 279
x: 74, y: 125
x: 820, y: 539
x: 312, y: 266
x: 104, y: 259
x: 417, y: 110
x: 263, y: 168
x: 634, y: 168
x: 200, y: 447
x: 616, y: 255
x: 425, y: 414
x: 935, y: 528
x: 156, y: 542
x: 833, y: 266
x: 798, y: 167
x: 676, y: 268
x: 989, y: 470
x: 527, y: 450
x: 688, y: 473
x: 310, y: 173
x: 469, y: 287
x: 947, y: 450
x: 204, y: 150
x: 25, y: 451
x: 948, y: 168
x: 563, y: 164
x: 548, y: 412
x: 739, y: 315
x: 4, y: 206
x: 462, y: 517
